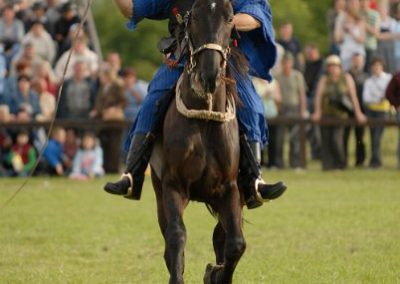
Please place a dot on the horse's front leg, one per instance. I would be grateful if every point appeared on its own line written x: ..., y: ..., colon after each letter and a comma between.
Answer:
x: 230, y: 216
x: 174, y: 203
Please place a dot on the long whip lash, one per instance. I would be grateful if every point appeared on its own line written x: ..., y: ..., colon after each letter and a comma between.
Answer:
x: 27, y: 178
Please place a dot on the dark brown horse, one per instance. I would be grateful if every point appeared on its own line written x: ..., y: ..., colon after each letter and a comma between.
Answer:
x: 200, y: 157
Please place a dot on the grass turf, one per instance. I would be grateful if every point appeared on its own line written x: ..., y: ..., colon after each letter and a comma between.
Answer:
x: 340, y: 227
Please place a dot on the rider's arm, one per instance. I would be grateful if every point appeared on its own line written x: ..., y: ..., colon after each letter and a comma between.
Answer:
x: 245, y: 22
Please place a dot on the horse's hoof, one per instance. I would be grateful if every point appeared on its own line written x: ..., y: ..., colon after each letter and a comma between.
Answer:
x: 209, y: 277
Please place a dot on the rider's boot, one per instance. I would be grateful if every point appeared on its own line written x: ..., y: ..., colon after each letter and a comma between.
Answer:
x: 131, y: 182
x: 254, y: 188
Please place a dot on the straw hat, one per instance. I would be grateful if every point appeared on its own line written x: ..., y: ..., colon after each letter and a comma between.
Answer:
x: 333, y: 60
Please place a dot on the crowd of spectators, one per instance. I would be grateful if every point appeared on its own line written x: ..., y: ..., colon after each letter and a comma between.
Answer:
x: 351, y: 82
x: 361, y: 70
x: 35, y: 42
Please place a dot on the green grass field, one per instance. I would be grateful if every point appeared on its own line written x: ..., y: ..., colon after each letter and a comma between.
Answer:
x: 340, y: 227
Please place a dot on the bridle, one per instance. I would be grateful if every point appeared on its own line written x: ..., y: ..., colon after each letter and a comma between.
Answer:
x: 208, y: 46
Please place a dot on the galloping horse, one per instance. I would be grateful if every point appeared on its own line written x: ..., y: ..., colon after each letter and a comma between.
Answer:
x: 199, y: 148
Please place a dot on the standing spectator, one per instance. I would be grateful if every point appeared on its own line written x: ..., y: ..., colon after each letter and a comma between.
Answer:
x: 114, y: 60
x: 53, y: 16
x: 68, y: 19
x: 11, y: 31
x: 376, y: 106
x: 80, y: 53
x: 292, y: 85
x: 53, y: 156
x: 135, y: 91
x: 359, y: 76
x: 22, y: 156
x: 332, y: 89
x: 78, y: 97
x: 386, y: 37
x: 110, y: 100
x: 291, y: 44
x: 397, y: 38
x: 339, y: 7
x: 372, y: 26
x: 350, y: 33
x: 272, y: 97
x: 24, y: 102
x: 88, y: 161
x: 41, y: 41
x: 313, y: 71
x: 393, y: 95
x: 47, y: 101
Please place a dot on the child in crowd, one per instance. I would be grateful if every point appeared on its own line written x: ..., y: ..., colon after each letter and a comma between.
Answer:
x: 53, y: 154
x: 88, y: 161
x: 5, y: 149
x: 22, y: 156
x: 71, y: 145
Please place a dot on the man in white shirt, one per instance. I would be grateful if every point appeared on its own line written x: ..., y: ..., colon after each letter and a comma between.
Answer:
x: 80, y: 53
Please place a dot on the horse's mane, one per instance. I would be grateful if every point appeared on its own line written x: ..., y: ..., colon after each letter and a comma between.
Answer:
x: 238, y: 64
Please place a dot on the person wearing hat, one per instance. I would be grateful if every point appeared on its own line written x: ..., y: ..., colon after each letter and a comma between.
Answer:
x: 293, y: 89
x: 38, y: 15
x: 335, y: 97
x: 68, y: 19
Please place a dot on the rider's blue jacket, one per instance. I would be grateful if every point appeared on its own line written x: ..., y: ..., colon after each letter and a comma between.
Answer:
x: 258, y: 45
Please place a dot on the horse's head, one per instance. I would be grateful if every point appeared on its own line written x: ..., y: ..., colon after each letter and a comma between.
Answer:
x: 209, y: 30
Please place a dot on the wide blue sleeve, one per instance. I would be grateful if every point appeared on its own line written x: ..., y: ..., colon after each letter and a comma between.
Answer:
x: 51, y: 154
x: 258, y: 45
x: 148, y: 9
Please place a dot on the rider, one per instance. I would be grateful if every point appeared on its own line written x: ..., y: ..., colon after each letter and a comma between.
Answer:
x: 253, y: 21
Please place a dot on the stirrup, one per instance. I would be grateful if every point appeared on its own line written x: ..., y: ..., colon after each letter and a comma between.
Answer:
x: 129, y: 193
x: 258, y: 194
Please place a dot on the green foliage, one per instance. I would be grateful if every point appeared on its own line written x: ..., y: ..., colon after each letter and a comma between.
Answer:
x: 139, y: 48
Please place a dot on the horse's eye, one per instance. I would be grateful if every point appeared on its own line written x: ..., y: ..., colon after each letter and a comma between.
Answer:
x: 230, y: 20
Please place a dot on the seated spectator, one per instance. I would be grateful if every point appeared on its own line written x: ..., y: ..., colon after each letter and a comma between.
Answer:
x: 292, y: 85
x: 22, y: 68
x: 80, y: 53
x: 38, y: 15
x: 22, y: 156
x: 291, y: 44
x: 350, y: 33
x: 359, y: 76
x: 53, y: 156
x: 110, y: 100
x: 78, y: 96
x: 393, y: 96
x: 88, y: 161
x: 333, y: 90
x: 3, y: 73
x: 25, y: 102
x: 11, y: 31
x: 41, y: 41
x: 376, y: 106
x: 386, y: 39
x: 5, y: 148
x: 71, y: 145
x: 135, y: 91
x: 53, y: 16
x: 68, y: 19
x: 28, y: 55
x: 44, y: 71
x: 47, y: 101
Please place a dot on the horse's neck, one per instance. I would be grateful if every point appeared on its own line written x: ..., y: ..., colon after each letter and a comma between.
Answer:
x: 193, y: 101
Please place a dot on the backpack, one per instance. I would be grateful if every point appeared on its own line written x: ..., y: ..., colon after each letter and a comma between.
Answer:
x: 393, y: 91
